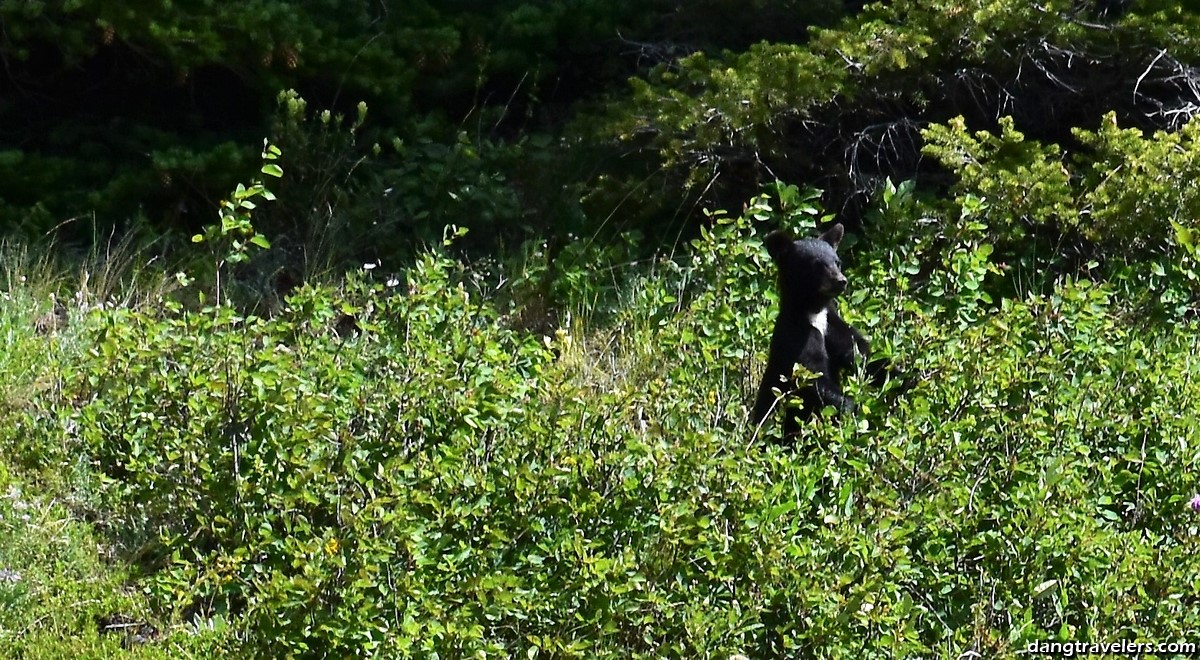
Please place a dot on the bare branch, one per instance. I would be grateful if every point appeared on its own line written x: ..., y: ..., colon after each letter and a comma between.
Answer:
x: 1142, y: 77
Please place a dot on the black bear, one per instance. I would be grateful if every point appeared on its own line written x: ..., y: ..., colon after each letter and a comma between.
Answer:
x: 808, y: 330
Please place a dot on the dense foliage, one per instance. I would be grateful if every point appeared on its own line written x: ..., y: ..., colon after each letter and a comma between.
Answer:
x: 846, y: 108
x: 516, y: 425
x: 176, y: 91
x: 430, y: 478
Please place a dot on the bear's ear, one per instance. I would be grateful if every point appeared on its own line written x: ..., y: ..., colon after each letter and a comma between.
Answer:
x: 778, y: 243
x: 834, y: 235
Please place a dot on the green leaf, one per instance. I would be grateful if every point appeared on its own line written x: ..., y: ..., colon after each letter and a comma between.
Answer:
x: 1044, y: 589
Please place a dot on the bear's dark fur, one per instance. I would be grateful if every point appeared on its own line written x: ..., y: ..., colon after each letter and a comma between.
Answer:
x: 808, y: 331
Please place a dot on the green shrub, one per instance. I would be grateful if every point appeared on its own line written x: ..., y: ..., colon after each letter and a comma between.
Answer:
x: 392, y: 469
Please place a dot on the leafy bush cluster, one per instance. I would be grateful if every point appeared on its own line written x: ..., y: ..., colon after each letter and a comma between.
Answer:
x: 846, y: 108
x: 1130, y: 191
x: 394, y: 468
x: 1125, y: 210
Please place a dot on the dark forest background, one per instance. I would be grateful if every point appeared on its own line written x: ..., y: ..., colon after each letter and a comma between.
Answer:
x: 538, y: 120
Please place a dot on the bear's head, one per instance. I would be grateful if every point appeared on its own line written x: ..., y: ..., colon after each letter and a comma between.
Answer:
x: 810, y: 272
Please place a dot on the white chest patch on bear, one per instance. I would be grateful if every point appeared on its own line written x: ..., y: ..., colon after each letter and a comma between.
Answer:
x: 820, y: 321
